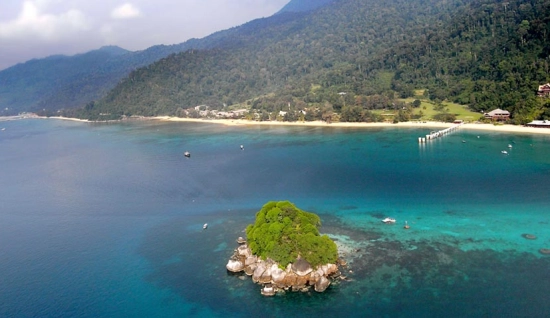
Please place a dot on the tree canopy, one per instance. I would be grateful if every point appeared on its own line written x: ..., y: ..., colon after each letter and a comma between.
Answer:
x: 283, y: 233
x: 355, y: 56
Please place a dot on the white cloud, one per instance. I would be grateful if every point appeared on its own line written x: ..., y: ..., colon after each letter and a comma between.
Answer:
x: 38, y: 28
x: 125, y: 11
x: 32, y: 22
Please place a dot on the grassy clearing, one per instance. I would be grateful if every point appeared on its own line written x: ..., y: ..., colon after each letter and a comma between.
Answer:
x: 428, y: 108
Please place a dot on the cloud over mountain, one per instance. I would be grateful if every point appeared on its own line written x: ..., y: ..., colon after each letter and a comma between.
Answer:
x: 32, y: 21
x: 125, y: 11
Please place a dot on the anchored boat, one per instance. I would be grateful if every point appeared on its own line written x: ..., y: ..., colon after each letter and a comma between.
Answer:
x: 388, y: 220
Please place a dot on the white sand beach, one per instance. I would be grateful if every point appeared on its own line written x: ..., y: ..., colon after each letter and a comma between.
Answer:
x: 470, y: 126
x: 429, y: 124
x: 67, y: 118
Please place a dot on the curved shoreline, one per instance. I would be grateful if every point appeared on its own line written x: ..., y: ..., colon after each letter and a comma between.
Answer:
x: 484, y: 127
x: 430, y: 124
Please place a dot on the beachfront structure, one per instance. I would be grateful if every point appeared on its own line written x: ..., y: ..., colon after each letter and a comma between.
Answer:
x: 539, y: 124
x: 230, y: 114
x: 544, y: 90
x: 498, y: 115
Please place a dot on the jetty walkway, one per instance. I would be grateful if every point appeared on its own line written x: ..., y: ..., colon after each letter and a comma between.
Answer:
x: 437, y: 134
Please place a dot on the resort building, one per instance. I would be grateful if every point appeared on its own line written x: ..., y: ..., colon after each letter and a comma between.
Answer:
x: 544, y: 90
x: 539, y: 124
x: 498, y: 115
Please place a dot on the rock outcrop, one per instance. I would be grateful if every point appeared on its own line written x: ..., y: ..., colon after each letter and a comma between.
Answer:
x: 234, y: 266
x: 298, y: 276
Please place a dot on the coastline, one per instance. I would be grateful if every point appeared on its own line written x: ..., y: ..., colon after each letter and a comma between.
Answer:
x: 430, y: 124
x: 67, y: 118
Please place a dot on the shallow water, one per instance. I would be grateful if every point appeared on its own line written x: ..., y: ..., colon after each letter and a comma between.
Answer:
x: 105, y: 220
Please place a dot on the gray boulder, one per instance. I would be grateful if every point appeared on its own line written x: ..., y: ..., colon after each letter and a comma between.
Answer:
x: 277, y: 275
x: 322, y: 284
x: 301, y: 267
x: 258, y: 272
x: 243, y: 250
x: 251, y: 260
x: 234, y: 266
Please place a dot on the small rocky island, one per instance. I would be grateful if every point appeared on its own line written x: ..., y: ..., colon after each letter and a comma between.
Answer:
x: 285, y: 251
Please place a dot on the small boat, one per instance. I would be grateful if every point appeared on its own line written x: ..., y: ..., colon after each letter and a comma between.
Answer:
x: 504, y: 152
x: 509, y: 146
x: 463, y: 141
x: 388, y: 220
x: 187, y: 154
x: 242, y: 147
x: 205, y: 226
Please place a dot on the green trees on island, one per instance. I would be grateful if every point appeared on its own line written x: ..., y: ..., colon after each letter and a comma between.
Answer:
x: 283, y: 233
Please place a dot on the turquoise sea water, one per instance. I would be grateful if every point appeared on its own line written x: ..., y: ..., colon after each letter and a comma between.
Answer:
x: 105, y: 220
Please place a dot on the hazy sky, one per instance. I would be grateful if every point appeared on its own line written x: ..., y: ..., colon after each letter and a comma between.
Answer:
x: 39, y: 28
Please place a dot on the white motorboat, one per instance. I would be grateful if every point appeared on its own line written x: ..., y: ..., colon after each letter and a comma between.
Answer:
x: 504, y: 152
x: 205, y: 226
x: 388, y: 220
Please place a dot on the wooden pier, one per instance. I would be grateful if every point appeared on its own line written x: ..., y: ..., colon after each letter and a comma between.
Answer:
x: 437, y: 134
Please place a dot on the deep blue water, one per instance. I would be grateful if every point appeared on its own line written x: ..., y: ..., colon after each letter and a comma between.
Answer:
x: 105, y: 220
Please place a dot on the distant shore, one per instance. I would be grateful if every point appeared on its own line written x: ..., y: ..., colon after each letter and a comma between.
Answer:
x: 410, y: 124
x: 68, y: 118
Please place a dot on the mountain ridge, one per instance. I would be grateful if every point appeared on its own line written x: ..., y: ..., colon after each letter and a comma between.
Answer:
x: 60, y: 82
x: 357, y: 56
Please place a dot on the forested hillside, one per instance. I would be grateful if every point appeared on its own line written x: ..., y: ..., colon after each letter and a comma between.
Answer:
x: 353, y: 56
x: 490, y: 54
x: 36, y: 83
x: 61, y: 82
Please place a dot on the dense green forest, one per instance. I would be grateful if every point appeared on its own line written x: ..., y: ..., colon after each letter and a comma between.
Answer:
x: 283, y: 233
x: 352, y: 57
